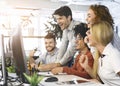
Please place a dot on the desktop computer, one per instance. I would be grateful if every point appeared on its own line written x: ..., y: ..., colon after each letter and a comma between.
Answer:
x: 3, y: 81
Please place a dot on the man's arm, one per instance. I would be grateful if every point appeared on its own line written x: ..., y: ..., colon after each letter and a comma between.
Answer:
x: 70, y: 45
x: 31, y: 60
x: 63, y: 47
x: 48, y: 67
x: 69, y: 52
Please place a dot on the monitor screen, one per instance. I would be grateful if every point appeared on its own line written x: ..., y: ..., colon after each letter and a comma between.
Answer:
x: 19, y: 56
x: 3, y: 81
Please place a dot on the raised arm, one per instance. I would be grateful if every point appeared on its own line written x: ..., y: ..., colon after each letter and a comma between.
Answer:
x: 31, y: 54
x: 84, y: 63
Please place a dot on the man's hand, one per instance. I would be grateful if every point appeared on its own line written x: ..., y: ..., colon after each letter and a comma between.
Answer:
x: 31, y: 54
x: 57, y: 70
x: 48, y: 67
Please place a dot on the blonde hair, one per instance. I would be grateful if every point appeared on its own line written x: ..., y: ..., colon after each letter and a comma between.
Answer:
x: 102, y: 32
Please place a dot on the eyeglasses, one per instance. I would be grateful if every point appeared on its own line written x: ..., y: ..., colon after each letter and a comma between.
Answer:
x: 79, y: 37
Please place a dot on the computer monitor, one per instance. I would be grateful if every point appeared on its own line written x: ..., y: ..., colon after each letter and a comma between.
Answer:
x: 19, y: 56
x: 3, y: 81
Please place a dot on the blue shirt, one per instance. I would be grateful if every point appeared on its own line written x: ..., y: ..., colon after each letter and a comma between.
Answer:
x: 48, y: 57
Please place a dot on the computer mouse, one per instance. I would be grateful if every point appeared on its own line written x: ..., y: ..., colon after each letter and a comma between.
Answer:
x: 51, y: 79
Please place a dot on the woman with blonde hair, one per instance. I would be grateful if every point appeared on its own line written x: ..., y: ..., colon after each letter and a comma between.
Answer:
x: 97, y: 13
x: 100, y: 36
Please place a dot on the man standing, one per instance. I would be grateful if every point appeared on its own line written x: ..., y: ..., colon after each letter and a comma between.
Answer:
x: 63, y: 16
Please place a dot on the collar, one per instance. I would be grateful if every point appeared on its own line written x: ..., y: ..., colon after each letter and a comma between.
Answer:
x: 102, y: 55
x: 53, y: 52
x: 107, y: 49
x: 73, y: 24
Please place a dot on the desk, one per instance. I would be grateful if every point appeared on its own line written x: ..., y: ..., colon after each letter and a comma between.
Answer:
x: 64, y: 77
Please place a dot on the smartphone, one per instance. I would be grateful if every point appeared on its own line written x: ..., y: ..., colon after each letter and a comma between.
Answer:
x: 71, y: 82
x: 76, y: 81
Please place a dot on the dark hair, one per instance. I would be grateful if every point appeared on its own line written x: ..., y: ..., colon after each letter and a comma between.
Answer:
x: 81, y: 29
x: 63, y: 11
x: 49, y: 36
x: 102, y: 14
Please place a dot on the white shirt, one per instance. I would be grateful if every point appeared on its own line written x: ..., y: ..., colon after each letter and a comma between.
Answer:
x: 109, y: 66
x: 67, y: 48
x: 115, y: 42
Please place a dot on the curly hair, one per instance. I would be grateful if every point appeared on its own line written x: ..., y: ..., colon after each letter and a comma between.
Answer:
x: 102, y: 14
x: 81, y: 29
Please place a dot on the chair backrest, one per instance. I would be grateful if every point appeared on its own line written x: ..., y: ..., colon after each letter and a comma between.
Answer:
x: 71, y: 61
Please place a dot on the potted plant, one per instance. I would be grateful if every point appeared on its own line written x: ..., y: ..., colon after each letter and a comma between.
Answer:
x: 33, y: 79
x: 11, y: 69
x: 52, y: 26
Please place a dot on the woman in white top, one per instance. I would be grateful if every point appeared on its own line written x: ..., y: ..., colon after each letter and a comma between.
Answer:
x: 95, y: 14
x: 100, y: 36
x: 98, y: 13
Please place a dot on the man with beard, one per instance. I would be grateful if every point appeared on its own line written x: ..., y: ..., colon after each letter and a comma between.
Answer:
x: 63, y: 17
x: 48, y: 57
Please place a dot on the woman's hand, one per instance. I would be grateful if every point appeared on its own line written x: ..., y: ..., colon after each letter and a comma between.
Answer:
x: 83, y: 61
x: 86, y: 39
x: 57, y: 70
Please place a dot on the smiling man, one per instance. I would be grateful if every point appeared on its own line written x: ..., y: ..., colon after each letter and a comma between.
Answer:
x: 48, y: 57
x: 63, y: 16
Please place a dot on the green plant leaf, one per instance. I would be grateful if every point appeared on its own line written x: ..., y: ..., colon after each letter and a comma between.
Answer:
x: 27, y: 77
x: 40, y: 78
x: 11, y: 69
x: 33, y: 79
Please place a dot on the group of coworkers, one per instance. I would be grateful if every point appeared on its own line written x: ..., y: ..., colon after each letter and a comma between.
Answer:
x: 94, y: 46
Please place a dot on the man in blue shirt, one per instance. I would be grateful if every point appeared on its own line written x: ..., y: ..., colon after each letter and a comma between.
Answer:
x: 49, y: 56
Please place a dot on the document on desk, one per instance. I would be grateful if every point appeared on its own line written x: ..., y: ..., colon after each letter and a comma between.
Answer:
x: 75, y: 83
x: 48, y: 74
